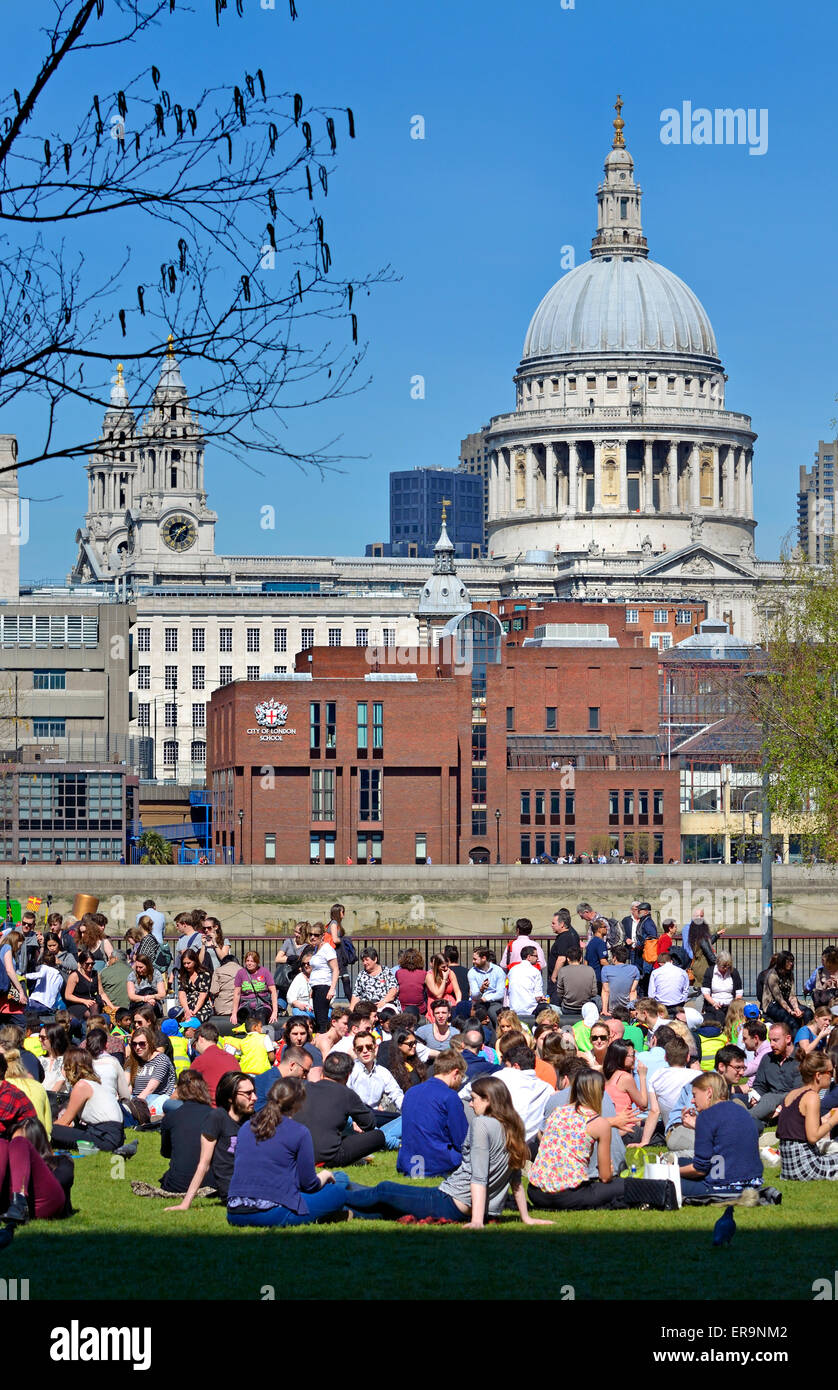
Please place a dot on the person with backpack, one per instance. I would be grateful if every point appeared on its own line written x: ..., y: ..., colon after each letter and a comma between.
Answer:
x: 645, y: 945
x: 12, y: 990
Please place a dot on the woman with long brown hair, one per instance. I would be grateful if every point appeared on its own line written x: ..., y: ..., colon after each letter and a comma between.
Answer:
x: 801, y: 1126
x: 441, y: 983
x: 275, y: 1182
x: 410, y: 978
x: 12, y: 991
x: 559, y: 1176
x: 402, y: 1062
x: 494, y: 1153
x: 92, y: 1111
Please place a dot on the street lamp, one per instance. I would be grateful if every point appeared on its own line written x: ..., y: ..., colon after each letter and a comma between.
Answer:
x: 497, y: 836
x: 755, y: 791
x: 241, y: 837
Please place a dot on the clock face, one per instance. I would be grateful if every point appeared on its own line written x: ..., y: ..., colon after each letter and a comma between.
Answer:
x: 180, y: 533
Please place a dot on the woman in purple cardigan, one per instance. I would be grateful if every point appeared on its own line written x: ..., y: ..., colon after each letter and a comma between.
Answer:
x: 274, y: 1180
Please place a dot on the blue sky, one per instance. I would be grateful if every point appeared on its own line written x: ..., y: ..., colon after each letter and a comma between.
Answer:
x: 517, y: 103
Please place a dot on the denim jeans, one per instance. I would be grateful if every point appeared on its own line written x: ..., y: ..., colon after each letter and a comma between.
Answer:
x: 394, y: 1199
x: 327, y: 1200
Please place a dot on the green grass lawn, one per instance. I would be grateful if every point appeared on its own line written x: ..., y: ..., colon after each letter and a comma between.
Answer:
x: 118, y: 1244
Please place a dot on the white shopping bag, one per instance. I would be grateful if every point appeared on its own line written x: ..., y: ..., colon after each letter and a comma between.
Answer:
x: 665, y: 1171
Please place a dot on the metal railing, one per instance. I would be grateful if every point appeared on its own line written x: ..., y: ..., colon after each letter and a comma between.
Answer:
x: 745, y: 951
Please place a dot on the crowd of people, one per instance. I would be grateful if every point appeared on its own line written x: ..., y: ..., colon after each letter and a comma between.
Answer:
x: 533, y: 1082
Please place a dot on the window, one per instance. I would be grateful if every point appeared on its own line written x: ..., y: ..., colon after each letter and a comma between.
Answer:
x: 331, y: 723
x: 661, y: 615
x: 170, y: 678
x: 198, y: 751
x: 614, y: 806
x: 628, y: 805
x: 555, y: 805
x: 322, y: 793
x: 540, y: 800
x: 170, y: 639
x: 550, y: 717
x: 670, y: 383
x: 199, y: 716
x: 389, y: 636
x: 377, y: 724
x: 478, y: 743
x: 144, y: 714
x: 199, y: 638
x: 369, y: 848
x: 510, y: 717
x: 590, y: 383
x: 362, y: 724
x: 225, y: 639
x: 253, y: 639
x: 225, y: 675
x: 143, y: 639
x: 571, y: 383
x: 143, y: 677
x: 370, y: 807
x: 253, y: 673
x: 632, y: 616
x: 50, y: 680
x: 49, y: 728
x: 170, y: 719
x: 478, y: 786
x: 570, y: 846
x: 198, y: 677
x: 525, y: 806
x: 623, y: 209
x: 314, y: 727
x: 526, y: 853
x: 643, y: 807
x: 683, y: 616
x: 334, y: 637
x: 555, y: 846
x: 661, y: 640
x: 314, y: 849
x: 280, y: 639
x: 657, y: 807
x: 688, y: 385
x: 570, y: 807
x: 593, y: 717
x: 611, y: 383
x: 421, y: 848
x: 362, y: 637
x: 653, y: 383
x: 170, y: 753
x: 270, y: 848
x: 478, y: 822
x: 329, y: 840
x: 306, y: 638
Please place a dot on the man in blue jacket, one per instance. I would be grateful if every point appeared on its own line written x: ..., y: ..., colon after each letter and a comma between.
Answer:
x: 434, y: 1123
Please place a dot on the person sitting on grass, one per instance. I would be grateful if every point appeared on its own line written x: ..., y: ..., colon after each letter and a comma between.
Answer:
x: 494, y: 1152
x: 15, y: 1107
x: 402, y: 1061
x: 727, y: 1160
x: 800, y: 1126
x: 374, y: 1083
x: 92, y: 1113
x: 181, y: 1130
x: 275, y: 1182
x: 34, y: 1182
x: 434, y: 1124
x: 235, y: 1098
x: 211, y: 1061
x: 436, y: 1036
x: 560, y: 1179
x: 151, y: 1075
x: 336, y: 1031
x: 342, y: 1125
x: 299, y: 1000
x: 298, y: 1033
x: 528, y: 1092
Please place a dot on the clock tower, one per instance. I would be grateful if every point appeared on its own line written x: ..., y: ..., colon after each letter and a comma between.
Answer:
x: 148, y: 519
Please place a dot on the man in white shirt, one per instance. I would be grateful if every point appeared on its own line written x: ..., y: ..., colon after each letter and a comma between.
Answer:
x: 524, y: 990
x: 371, y: 1081
x: 158, y: 919
x: 668, y: 1083
x: 669, y: 984
x: 485, y: 980
x: 528, y: 1092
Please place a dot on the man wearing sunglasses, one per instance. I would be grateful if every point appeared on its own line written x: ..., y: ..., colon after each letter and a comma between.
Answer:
x: 235, y: 1101
x: 371, y: 1082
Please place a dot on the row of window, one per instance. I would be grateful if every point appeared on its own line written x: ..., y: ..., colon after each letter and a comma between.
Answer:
x: 199, y: 677
x: 320, y: 727
x: 171, y: 752
x: 646, y: 848
x: 611, y: 384
x: 253, y: 638
x: 551, y: 717
x: 43, y: 630
x: 534, y: 803
x: 635, y: 806
x: 661, y: 615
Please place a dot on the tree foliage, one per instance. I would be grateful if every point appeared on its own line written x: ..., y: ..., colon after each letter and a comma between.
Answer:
x: 791, y: 693
x: 154, y: 848
x: 212, y: 204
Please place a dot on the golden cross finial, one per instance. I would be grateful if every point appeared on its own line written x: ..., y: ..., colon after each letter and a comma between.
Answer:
x: 446, y: 502
x: 170, y: 350
x: 119, y: 370
x: 619, y: 124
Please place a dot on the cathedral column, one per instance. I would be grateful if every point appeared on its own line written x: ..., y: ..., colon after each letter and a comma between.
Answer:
x: 727, y: 480
x: 622, y: 481
x: 714, y: 450
x: 695, y: 480
x: 529, y: 475
x: 573, y: 476
x: 551, y: 464
x: 597, y: 475
x: 739, y: 462
x: 648, y: 497
x: 492, y: 482
x: 672, y: 465
x: 749, y: 482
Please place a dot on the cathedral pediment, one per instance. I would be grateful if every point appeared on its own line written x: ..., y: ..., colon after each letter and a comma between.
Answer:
x: 698, y: 561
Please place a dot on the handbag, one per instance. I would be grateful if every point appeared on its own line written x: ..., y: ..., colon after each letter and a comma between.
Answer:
x: 645, y: 1192
x: 663, y: 1171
